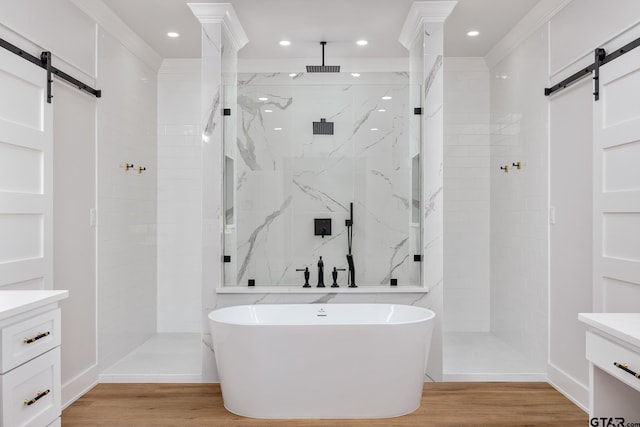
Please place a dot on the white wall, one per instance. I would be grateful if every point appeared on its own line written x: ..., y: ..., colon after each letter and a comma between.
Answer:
x: 179, y: 202
x: 75, y: 238
x: 467, y: 195
x: 127, y: 200
x: 124, y: 130
x: 58, y: 26
x: 571, y: 179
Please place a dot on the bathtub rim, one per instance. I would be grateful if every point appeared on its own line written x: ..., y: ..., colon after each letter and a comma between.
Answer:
x: 430, y: 315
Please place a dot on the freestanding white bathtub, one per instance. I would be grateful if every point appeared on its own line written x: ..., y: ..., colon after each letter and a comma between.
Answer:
x: 321, y: 360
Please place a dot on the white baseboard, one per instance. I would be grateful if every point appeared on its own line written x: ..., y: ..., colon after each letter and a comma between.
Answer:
x: 572, y: 389
x: 479, y: 377
x: 73, y: 389
x: 150, y: 378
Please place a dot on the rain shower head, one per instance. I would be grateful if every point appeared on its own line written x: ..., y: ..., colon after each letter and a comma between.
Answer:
x: 323, y: 68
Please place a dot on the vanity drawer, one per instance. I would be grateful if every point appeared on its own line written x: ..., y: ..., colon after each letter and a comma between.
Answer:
x: 605, y: 353
x: 30, y: 394
x: 27, y: 339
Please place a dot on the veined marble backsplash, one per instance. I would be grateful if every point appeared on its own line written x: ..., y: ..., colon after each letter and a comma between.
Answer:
x: 284, y: 177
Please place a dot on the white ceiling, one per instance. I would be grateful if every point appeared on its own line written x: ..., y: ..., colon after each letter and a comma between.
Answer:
x: 306, y: 22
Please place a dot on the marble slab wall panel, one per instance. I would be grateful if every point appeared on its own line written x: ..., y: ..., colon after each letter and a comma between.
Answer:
x: 432, y: 189
x: 211, y: 155
x: 286, y: 177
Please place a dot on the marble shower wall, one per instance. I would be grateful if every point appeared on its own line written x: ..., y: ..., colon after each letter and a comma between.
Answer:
x: 284, y: 177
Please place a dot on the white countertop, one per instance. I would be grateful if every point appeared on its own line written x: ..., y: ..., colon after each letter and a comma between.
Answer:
x: 16, y: 302
x: 624, y: 326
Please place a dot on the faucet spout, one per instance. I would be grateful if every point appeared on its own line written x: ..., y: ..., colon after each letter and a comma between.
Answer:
x: 320, y: 273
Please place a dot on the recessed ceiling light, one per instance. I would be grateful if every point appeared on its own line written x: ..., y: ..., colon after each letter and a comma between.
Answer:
x: 382, y: 110
x: 374, y: 129
x: 355, y: 74
x: 386, y: 98
x: 362, y: 42
x: 277, y: 128
x: 262, y: 98
x: 293, y: 74
x: 268, y: 111
x: 173, y: 34
x: 473, y: 33
x: 285, y: 42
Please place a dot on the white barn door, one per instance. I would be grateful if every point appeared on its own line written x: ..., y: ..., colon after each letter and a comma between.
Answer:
x: 617, y: 186
x: 26, y: 200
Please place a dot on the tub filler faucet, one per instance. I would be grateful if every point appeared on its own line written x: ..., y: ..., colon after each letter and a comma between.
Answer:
x: 320, y: 273
x: 351, y: 276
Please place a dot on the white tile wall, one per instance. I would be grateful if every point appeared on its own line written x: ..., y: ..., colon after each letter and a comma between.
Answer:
x: 467, y: 195
x: 519, y: 242
x: 127, y: 201
x: 179, y: 201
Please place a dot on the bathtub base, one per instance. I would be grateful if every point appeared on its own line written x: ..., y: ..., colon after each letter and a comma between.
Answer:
x: 318, y: 371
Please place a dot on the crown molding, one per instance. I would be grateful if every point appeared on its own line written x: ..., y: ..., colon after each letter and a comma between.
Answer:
x: 115, y: 26
x: 420, y: 13
x: 539, y: 15
x: 221, y: 13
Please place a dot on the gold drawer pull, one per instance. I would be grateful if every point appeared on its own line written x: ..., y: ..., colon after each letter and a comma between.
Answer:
x: 625, y: 367
x: 36, y: 338
x: 39, y: 396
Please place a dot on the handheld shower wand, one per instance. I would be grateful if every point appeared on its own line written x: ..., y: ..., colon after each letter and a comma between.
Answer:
x: 351, y: 277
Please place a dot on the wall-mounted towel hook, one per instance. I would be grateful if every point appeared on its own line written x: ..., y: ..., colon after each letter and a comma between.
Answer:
x: 140, y: 169
x: 505, y: 168
x: 127, y: 166
x: 517, y: 165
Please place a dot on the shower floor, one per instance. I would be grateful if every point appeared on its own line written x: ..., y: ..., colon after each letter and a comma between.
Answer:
x: 165, y: 357
x: 481, y: 356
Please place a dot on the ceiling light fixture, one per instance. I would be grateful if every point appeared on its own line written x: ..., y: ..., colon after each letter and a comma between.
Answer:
x: 293, y: 74
x: 277, y: 128
x: 355, y: 74
x: 382, y: 110
x: 387, y: 97
x: 268, y: 111
x: 374, y: 129
x: 285, y: 42
x: 473, y: 33
x: 262, y: 98
x: 173, y: 34
x: 362, y: 42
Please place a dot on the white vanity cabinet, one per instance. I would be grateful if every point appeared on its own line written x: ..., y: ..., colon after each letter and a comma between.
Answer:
x: 30, y: 358
x: 613, y: 351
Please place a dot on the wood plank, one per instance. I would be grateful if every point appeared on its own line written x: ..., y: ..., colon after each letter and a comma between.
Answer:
x: 443, y: 404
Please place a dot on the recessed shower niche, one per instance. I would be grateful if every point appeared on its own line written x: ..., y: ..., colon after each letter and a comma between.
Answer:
x: 283, y: 176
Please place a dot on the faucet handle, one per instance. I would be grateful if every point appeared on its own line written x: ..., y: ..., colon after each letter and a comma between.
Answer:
x: 334, y: 274
x: 306, y: 276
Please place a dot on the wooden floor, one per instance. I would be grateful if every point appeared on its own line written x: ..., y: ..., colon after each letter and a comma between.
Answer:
x: 443, y: 404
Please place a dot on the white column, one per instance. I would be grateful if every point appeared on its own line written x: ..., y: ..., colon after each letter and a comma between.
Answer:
x: 222, y: 37
x: 423, y: 36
